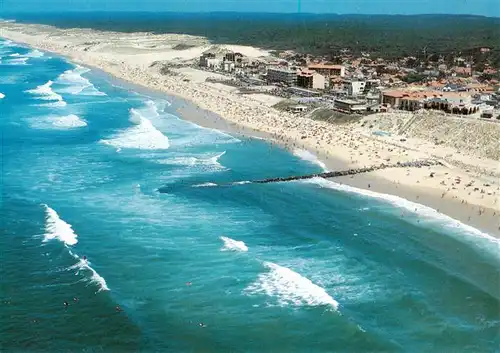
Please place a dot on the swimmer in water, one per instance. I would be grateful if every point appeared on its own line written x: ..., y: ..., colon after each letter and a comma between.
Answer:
x: 84, y: 258
x: 66, y: 304
x: 202, y: 324
x: 118, y: 308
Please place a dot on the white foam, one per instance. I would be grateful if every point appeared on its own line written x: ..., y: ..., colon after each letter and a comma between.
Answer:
x: 204, y: 185
x: 16, y: 61
x: 194, y: 161
x: 95, y: 278
x: 58, y: 104
x: 141, y: 136
x: 34, y: 54
x: 309, y: 157
x: 426, y: 212
x: 58, y: 122
x: 45, y: 92
x: 76, y: 84
x: 233, y: 245
x: 242, y: 182
x: 56, y: 228
x: 290, y: 288
x: 2, y: 96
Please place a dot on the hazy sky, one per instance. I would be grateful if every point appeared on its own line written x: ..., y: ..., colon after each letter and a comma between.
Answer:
x: 476, y: 7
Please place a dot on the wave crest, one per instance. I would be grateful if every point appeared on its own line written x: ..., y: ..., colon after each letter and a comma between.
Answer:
x: 290, y: 288
x: 76, y: 84
x: 144, y: 135
x: 95, y: 278
x: 56, y: 228
x: 233, y: 245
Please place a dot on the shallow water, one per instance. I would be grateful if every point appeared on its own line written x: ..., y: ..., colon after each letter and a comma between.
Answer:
x: 310, y: 266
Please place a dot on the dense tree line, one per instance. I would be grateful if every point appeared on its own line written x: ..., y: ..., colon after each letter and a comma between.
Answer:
x: 381, y: 35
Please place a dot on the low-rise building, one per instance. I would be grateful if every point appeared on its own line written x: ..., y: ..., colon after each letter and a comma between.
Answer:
x: 349, y: 105
x: 282, y: 75
x: 209, y: 60
x: 354, y: 88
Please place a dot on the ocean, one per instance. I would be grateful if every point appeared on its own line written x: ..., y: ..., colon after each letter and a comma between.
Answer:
x: 117, y: 237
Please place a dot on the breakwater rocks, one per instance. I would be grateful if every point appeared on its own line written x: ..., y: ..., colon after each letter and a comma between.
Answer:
x: 353, y: 171
x: 411, y: 164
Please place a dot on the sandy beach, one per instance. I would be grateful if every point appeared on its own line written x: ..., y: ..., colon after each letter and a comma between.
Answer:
x: 466, y: 187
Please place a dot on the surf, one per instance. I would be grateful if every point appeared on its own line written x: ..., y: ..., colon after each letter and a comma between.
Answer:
x: 428, y: 213
x: 233, y: 245
x: 144, y: 135
x: 57, y: 228
x: 45, y: 92
x: 70, y: 121
x: 83, y: 265
x: 74, y: 83
x: 309, y: 157
x: 290, y: 288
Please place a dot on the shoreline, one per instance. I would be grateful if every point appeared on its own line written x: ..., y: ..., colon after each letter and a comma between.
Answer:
x: 197, y: 112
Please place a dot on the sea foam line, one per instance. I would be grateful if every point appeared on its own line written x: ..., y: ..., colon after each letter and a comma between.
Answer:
x: 290, y: 288
x: 309, y: 157
x: 56, y: 228
x: 425, y: 211
x: 233, y: 245
x: 95, y: 278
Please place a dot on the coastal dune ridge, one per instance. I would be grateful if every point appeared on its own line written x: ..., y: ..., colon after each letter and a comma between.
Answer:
x: 134, y: 57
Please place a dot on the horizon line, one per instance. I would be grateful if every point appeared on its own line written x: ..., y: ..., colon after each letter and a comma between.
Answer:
x: 245, y: 13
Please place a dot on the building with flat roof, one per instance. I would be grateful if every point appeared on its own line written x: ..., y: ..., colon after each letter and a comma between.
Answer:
x: 328, y: 70
x: 311, y: 79
x: 286, y: 76
x: 349, y: 105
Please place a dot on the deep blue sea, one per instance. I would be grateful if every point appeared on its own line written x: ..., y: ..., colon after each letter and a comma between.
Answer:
x: 288, y: 267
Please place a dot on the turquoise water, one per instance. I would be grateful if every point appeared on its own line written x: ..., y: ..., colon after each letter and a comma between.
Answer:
x: 293, y: 267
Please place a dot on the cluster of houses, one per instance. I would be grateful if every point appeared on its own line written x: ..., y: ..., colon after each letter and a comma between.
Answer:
x: 361, y: 85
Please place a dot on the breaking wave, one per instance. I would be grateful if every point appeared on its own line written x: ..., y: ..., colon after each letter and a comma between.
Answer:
x: 429, y: 213
x: 204, y: 185
x: 45, y: 92
x: 15, y: 61
x: 194, y: 161
x: 233, y: 245
x: 290, y: 288
x: 141, y: 136
x: 2, y: 96
x: 58, y: 122
x: 56, y: 228
x: 75, y: 83
x: 83, y: 265
x: 309, y: 157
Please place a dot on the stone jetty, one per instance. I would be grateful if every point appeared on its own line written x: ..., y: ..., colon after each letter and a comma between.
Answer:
x: 412, y: 164
x: 353, y: 171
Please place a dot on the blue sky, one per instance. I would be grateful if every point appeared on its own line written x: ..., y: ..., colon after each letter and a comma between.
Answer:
x: 476, y: 7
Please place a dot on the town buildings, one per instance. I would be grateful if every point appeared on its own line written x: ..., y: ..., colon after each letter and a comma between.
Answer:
x: 281, y: 75
x: 311, y: 79
x: 328, y: 70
